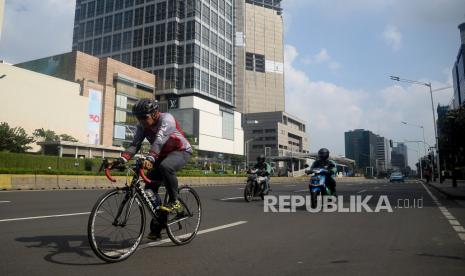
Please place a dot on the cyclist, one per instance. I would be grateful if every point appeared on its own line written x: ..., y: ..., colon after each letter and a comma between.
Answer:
x: 169, y: 152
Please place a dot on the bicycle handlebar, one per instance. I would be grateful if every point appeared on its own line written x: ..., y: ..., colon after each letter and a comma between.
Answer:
x: 140, y: 171
x: 144, y: 177
x: 108, y: 175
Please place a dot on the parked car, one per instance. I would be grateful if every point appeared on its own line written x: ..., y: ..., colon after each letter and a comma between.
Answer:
x: 396, y: 177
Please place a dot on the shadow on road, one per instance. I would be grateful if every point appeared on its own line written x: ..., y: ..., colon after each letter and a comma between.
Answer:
x: 64, y: 250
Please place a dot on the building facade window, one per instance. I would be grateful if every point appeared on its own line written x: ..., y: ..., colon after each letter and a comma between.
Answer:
x: 106, y: 48
x: 136, y: 59
x: 108, y: 24
x: 128, y: 17
x: 118, y: 22
x: 150, y: 14
x: 159, y: 56
x: 127, y: 40
x: 205, y: 58
x: 89, y: 29
x: 97, y: 49
x: 171, y: 54
x: 205, y: 82
x: 137, y: 38
x: 160, y: 33
x: 98, y: 26
x: 116, y: 42
x: 189, y: 78
x: 148, y: 35
x: 180, y: 53
x: 109, y: 5
x: 148, y: 58
x: 171, y: 32
x: 139, y: 16
x: 213, y: 86
x: 161, y: 11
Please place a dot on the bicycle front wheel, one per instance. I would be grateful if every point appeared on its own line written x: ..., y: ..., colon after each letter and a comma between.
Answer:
x: 116, y: 225
x: 182, y: 226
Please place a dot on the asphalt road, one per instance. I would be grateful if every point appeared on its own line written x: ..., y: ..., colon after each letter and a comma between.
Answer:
x: 407, y: 241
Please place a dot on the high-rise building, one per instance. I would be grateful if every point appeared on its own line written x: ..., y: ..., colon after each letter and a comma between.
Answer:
x: 399, y: 156
x: 458, y: 72
x: 383, y: 154
x: 259, y: 50
x: 275, y: 134
x: 187, y: 44
x: 361, y: 146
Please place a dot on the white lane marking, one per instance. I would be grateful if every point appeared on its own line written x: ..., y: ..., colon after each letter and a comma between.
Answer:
x: 299, y: 191
x: 459, y: 229
x: 361, y: 191
x: 231, y: 198
x: 5, y: 201
x: 241, y: 188
x: 221, y: 227
x: 454, y: 222
x: 41, y: 217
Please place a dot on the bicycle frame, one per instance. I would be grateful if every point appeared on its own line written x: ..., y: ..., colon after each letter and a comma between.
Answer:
x: 135, y: 190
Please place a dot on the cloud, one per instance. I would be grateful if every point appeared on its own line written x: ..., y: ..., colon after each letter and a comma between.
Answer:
x: 334, y: 66
x: 392, y: 37
x: 34, y: 29
x: 329, y: 110
x: 323, y: 57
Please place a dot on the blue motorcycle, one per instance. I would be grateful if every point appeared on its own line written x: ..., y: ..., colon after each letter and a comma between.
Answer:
x: 317, y: 185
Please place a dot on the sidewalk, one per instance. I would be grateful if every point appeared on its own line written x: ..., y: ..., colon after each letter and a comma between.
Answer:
x: 447, y: 189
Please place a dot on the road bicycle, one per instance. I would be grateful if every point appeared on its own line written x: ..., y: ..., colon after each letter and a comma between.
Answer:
x: 117, y: 222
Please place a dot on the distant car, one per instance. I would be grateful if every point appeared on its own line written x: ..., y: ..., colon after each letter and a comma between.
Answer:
x: 396, y: 177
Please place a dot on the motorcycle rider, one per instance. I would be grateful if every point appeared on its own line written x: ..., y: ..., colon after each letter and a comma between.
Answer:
x: 264, y: 169
x: 329, y: 165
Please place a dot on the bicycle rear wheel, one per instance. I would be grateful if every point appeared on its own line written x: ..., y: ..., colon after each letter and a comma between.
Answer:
x: 182, y: 226
x: 116, y: 225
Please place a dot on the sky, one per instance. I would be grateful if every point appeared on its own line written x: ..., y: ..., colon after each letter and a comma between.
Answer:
x: 339, y: 55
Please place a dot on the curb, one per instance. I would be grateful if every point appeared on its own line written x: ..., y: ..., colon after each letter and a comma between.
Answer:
x: 447, y: 194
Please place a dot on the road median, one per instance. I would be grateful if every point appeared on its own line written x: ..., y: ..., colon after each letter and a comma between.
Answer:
x: 64, y: 182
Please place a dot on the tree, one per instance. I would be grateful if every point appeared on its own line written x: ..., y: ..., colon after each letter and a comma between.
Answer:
x: 68, y: 138
x: 14, y: 139
x: 452, y: 140
x: 46, y: 135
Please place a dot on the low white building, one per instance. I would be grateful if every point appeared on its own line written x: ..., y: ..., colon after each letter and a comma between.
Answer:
x: 217, y: 130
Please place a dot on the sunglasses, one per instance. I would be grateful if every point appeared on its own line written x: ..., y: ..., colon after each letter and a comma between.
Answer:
x: 142, y: 117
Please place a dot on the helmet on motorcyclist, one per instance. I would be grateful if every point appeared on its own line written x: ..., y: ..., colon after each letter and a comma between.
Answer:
x: 323, y: 154
x: 261, y: 159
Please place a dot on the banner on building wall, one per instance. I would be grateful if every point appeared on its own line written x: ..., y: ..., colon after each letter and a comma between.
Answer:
x: 95, y: 116
x: 240, y: 40
x: 274, y: 67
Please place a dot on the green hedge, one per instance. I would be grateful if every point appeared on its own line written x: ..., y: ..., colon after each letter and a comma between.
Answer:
x: 22, y: 163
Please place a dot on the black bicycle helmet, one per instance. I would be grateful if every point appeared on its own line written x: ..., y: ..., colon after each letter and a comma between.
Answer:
x: 145, y: 107
x: 261, y: 158
x: 323, y: 154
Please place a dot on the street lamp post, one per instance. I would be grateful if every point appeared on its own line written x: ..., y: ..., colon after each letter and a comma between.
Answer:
x: 394, y: 78
x: 247, y: 152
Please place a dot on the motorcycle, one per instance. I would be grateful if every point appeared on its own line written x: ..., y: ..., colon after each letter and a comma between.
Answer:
x: 317, y: 186
x: 255, y: 186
